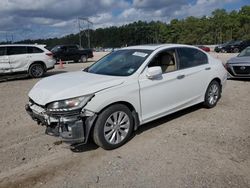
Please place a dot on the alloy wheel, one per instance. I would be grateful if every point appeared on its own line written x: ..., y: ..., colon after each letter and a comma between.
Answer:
x: 213, y: 94
x: 116, y: 127
x: 37, y: 71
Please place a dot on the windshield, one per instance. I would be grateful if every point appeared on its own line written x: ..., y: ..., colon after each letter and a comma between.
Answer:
x: 120, y: 63
x: 245, y: 52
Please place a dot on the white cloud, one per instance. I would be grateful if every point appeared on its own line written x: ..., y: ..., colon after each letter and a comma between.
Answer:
x: 51, y: 18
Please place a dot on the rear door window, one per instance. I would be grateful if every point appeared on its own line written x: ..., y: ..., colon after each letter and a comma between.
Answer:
x: 191, y: 57
x: 15, y: 50
x: 33, y: 50
x: 2, y: 51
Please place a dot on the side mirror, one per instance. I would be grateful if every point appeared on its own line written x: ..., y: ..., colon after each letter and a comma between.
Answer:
x: 154, y: 72
x: 86, y: 69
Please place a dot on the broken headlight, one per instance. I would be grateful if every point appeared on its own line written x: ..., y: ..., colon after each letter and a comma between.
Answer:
x: 69, y: 104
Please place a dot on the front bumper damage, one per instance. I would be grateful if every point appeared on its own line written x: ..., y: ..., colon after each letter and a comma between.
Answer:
x: 72, y: 127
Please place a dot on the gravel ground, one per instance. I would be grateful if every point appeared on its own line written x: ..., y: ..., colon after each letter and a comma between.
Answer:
x: 196, y: 147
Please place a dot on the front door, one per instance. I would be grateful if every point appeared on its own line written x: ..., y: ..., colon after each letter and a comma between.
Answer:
x: 161, y: 95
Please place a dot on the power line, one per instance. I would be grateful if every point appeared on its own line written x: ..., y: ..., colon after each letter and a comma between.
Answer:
x: 87, y: 34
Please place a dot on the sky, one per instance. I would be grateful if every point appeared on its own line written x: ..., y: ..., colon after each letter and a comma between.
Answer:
x: 34, y: 19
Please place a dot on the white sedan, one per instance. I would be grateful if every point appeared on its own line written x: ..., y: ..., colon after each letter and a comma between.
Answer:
x: 123, y: 90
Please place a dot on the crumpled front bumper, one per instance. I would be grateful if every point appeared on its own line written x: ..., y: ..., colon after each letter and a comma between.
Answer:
x: 71, y: 127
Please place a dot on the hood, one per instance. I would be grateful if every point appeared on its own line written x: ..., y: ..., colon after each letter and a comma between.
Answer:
x: 70, y: 85
x: 239, y: 60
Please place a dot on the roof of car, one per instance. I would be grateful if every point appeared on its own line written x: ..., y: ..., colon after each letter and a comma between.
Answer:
x: 23, y: 45
x: 156, y: 46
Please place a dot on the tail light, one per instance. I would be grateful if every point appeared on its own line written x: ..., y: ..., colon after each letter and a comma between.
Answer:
x: 50, y: 54
x: 226, y: 65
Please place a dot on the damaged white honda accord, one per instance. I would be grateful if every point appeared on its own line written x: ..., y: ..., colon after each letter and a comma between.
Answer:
x: 123, y: 90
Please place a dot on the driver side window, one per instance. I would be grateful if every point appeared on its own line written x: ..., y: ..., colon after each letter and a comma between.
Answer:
x: 166, y: 60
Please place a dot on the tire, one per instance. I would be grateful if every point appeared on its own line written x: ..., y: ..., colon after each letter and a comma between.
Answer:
x: 213, y: 94
x: 36, y: 70
x: 236, y: 50
x: 84, y: 59
x: 111, y: 124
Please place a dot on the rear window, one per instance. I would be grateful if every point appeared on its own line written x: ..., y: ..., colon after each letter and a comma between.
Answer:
x: 33, y: 50
x: 15, y: 50
x: 2, y: 51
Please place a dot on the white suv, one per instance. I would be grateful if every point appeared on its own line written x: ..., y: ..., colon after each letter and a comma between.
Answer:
x: 32, y: 59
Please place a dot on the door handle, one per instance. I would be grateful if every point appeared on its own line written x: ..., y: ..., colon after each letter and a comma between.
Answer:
x: 181, y: 76
x: 207, y: 68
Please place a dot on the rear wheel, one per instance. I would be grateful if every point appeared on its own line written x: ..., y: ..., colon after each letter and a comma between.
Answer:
x: 113, y: 127
x: 84, y: 58
x: 236, y: 50
x: 36, y: 70
x: 213, y: 94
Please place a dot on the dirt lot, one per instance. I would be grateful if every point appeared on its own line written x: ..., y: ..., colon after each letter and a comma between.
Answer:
x: 193, y: 148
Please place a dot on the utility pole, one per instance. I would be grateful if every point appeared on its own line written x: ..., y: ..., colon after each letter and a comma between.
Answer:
x: 87, y: 34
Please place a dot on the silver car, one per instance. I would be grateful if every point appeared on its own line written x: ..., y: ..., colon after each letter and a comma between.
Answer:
x: 239, y: 67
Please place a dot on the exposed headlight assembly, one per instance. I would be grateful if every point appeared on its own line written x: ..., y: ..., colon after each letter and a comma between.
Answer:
x: 69, y: 104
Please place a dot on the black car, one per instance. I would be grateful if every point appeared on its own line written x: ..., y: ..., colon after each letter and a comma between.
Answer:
x: 71, y: 52
x: 237, y: 46
x: 221, y: 47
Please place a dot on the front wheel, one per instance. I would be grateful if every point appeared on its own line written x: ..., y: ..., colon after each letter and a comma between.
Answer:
x: 213, y: 94
x: 113, y: 127
x: 36, y: 70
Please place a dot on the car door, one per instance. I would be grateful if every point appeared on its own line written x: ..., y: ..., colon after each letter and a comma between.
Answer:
x: 194, y: 65
x: 178, y: 88
x: 4, y: 61
x: 72, y: 53
x: 34, y: 54
x: 19, y: 59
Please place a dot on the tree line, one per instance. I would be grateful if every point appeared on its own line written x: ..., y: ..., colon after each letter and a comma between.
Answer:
x: 220, y: 27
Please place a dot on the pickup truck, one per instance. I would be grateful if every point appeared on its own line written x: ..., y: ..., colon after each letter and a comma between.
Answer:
x: 71, y: 52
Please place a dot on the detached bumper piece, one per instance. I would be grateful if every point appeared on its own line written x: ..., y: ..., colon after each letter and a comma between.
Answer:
x: 71, y: 127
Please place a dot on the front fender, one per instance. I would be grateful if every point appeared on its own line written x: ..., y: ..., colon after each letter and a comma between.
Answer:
x: 123, y: 93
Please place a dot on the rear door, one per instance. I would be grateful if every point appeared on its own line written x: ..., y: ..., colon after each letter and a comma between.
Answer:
x: 194, y: 66
x: 18, y: 57
x: 4, y: 61
x: 34, y: 54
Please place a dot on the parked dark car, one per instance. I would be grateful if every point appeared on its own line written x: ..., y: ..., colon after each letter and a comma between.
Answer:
x: 221, y: 47
x: 239, y: 67
x: 71, y: 52
x: 204, y: 48
x: 237, y: 46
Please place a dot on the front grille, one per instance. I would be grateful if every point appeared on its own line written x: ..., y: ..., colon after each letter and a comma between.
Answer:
x: 242, y: 70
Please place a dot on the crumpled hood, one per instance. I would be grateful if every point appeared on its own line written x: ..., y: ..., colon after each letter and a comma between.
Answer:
x: 239, y: 60
x: 70, y: 85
